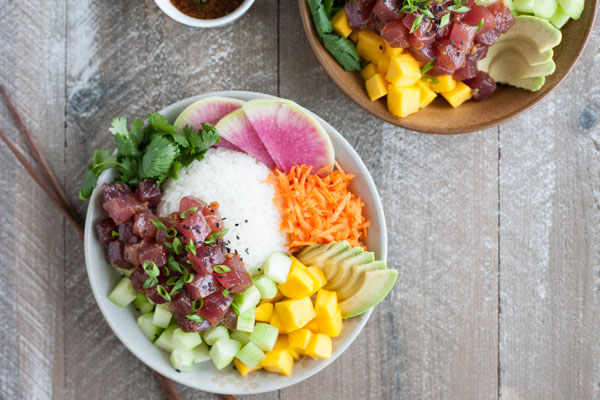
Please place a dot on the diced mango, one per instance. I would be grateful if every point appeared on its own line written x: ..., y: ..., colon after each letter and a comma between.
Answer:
x: 370, y: 45
x: 458, y: 95
x: 283, y: 343
x: 368, y: 71
x: 242, y: 368
x: 326, y: 304
x: 403, y: 101
x: 299, y: 339
x: 294, y: 314
x: 340, y: 23
x: 298, y: 284
x: 264, y: 312
x: 319, y: 346
x: 376, y: 87
x: 297, y: 263
x: 403, y: 72
x: 384, y: 64
x: 426, y: 95
x: 275, y: 299
x: 406, y: 57
x: 276, y: 322
x: 318, y: 277
x: 443, y: 83
x: 278, y: 361
x: 312, y: 326
x: 354, y: 36
x: 331, y: 327
x: 391, y: 51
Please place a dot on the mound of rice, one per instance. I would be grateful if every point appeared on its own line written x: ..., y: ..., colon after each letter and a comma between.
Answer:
x: 237, y: 182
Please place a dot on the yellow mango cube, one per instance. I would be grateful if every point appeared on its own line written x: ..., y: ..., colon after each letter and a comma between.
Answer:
x: 458, y: 95
x: 403, y: 101
x: 331, y: 327
x: 403, y: 72
x: 406, y: 57
x: 242, y: 368
x: 297, y: 263
x: 370, y: 45
x: 275, y: 299
x: 294, y: 314
x: 318, y: 277
x: 299, y: 339
x: 384, y: 64
x: 426, y: 95
x: 326, y: 304
x: 282, y: 342
x: 312, y: 326
x: 319, y: 346
x: 264, y: 312
x: 368, y: 71
x: 276, y: 322
x: 354, y: 36
x: 278, y: 361
x: 391, y: 51
x: 340, y: 23
x: 376, y: 87
x: 298, y: 284
x: 443, y: 83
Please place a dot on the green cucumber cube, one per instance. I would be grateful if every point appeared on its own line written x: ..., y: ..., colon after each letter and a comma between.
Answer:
x: 124, y: 272
x: 264, y: 336
x: 250, y: 355
x: 165, y: 340
x: 223, y: 352
x: 200, y: 353
x: 185, y: 340
x: 182, y: 359
x: 267, y: 288
x: 247, y: 299
x: 277, y: 266
x: 142, y: 303
x: 162, y: 315
x: 559, y: 19
x: 245, y: 321
x: 254, y: 272
x: 242, y: 337
x: 151, y: 331
x: 213, y: 334
x: 123, y: 293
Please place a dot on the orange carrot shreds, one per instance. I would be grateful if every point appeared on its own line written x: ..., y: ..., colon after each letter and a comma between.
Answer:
x: 318, y: 209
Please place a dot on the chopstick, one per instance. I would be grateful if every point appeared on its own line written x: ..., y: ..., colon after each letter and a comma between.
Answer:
x: 59, y: 199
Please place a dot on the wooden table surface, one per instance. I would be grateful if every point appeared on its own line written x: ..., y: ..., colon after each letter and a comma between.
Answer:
x: 495, y: 235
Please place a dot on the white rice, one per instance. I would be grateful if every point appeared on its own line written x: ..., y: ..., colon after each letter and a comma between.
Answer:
x: 237, y: 182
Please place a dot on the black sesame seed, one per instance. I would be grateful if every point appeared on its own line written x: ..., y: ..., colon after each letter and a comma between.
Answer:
x: 462, y: 42
x: 246, y: 221
x: 237, y: 237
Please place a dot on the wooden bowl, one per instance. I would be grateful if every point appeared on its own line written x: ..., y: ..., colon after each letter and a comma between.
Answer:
x: 439, y: 117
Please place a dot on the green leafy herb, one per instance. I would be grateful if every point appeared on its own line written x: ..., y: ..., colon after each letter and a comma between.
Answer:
x: 221, y: 269
x: 480, y: 24
x: 114, y: 234
x: 195, y: 317
x: 158, y: 224
x: 216, y: 235
x: 188, y: 212
x: 428, y: 66
x: 343, y: 50
x: 445, y: 20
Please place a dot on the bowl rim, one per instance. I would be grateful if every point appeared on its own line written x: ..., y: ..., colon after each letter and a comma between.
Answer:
x: 167, y: 371
x: 318, y: 50
x: 170, y: 10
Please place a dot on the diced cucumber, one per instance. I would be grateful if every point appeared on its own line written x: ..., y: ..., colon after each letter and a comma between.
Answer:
x: 247, y: 299
x: 182, y: 359
x: 250, y: 355
x: 213, y: 334
x: 277, y: 266
x: 185, y: 340
x: 200, y: 353
x: 245, y: 321
x: 559, y: 19
x: 162, y: 315
x: 242, y: 337
x: 254, y: 272
x: 573, y: 8
x: 151, y: 331
x: 124, y: 272
x: 123, y: 293
x: 165, y: 340
x: 264, y: 336
x: 524, y: 6
x: 223, y: 352
x: 544, y: 8
x: 266, y: 287
x: 142, y: 303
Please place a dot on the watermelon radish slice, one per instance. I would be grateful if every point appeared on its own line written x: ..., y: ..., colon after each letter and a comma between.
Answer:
x: 291, y: 135
x: 235, y: 128
x: 209, y: 110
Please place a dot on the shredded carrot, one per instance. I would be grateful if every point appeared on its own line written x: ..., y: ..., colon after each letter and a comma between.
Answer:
x: 318, y: 209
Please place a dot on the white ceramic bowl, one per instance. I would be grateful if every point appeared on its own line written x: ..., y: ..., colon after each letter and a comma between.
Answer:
x: 204, y: 376
x: 168, y: 8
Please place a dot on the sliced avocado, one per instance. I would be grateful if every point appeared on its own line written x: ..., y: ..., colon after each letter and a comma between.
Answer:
x: 510, y: 63
x: 560, y: 18
x: 345, y: 269
x: 573, y: 8
x: 324, y: 252
x: 356, y: 279
x: 524, y: 49
x: 503, y: 70
x: 330, y: 266
x: 537, y: 31
x: 307, y: 250
x: 544, y: 8
x: 376, y: 285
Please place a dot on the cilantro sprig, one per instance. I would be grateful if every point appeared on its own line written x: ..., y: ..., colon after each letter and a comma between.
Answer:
x: 154, y: 150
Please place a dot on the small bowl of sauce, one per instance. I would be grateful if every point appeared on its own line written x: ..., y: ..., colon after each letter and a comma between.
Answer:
x: 204, y: 13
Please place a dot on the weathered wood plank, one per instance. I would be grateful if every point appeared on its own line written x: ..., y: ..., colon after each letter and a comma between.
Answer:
x: 436, y: 335
x: 549, y: 242
x: 32, y: 234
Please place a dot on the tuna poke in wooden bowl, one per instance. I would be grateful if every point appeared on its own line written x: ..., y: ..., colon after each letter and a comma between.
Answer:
x: 447, y: 66
x: 235, y: 242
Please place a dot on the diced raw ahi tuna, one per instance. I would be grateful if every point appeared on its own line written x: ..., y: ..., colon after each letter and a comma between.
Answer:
x: 112, y: 190
x: 396, y: 34
x: 187, y: 325
x: 462, y: 36
x: 194, y: 228
x: 504, y: 20
x: 126, y: 233
x: 181, y: 305
x: 449, y: 58
x: 478, y: 52
x: 171, y: 221
x: 122, y: 209
x: 477, y: 14
x: 189, y: 202
x: 374, y: 24
x: 237, y: 279
x: 229, y: 320
x: 207, y: 256
x: 104, y: 230
x: 467, y: 71
x: 212, y: 209
x: 149, y: 192
x: 132, y: 253
x: 425, y: 54
x: 388, y: 10
x: 143, y: 226
x: 482, y: 86
x: 156, y: 252
x: 441, y: 31
x: 203, y: 285
x: 215, y: 306
x: 423, y: 36
x: 139, y: 277
x: 358, y: 12
x: 116, y: 255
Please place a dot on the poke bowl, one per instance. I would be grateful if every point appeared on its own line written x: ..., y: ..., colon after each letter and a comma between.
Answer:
x: 522, y: 75
x: 111, y: 285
